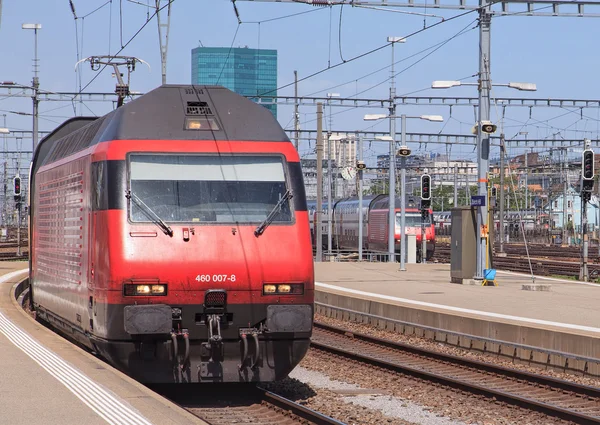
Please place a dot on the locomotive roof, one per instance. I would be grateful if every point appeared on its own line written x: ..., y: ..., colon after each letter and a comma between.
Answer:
x: 163, y: 113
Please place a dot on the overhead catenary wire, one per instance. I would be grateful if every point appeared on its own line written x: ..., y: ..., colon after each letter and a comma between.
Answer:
x: 229, y: 52
x: 369, y: 52
x: 125, y: 45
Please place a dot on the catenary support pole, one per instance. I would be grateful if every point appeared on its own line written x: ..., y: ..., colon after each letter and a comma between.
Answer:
x: 360, y: 201
x: 502, y: 153
x: 318, y: 226
x: 403, y: 198
x: 483, y: 139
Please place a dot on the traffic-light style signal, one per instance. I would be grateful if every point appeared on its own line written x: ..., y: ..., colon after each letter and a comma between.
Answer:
x: 494, y: 191
x: 425, y: 187
x: 587, y: 164
x: 17, y: 186
x: 361, y: 165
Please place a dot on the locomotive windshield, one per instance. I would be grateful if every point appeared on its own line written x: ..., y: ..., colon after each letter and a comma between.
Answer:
x: 412, y: 220
x: 208, y: 189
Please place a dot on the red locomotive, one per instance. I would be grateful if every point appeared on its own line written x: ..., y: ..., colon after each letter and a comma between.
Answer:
x: 375, y: 210
x: 172, y: 237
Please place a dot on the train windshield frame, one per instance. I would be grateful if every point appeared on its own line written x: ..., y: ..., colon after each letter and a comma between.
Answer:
x: 208, y: 189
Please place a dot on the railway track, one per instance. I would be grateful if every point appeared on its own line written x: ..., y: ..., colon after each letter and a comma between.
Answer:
x: 554, y: 397
x: 242, y: 404
x: 543, y: 260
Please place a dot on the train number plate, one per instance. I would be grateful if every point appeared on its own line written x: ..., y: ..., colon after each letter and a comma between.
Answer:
x: 215, y: 278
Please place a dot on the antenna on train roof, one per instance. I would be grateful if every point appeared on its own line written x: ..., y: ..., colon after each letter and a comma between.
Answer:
x: 122, y: 89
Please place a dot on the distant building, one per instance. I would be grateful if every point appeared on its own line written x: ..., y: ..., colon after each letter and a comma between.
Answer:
x: 248, y: 72
x: 573, y: 209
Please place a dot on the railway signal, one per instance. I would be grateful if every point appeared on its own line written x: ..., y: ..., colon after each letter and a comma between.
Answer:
x: 587, y: 174
x: 587, y: 184
x: 425, y: 191
x: 587, y: 164
x: 17, y: 185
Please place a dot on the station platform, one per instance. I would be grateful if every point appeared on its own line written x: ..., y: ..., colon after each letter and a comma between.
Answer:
x: 564, y: 318
x: 46, y: 379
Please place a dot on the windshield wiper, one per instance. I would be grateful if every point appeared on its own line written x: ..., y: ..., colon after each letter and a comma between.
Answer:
x: 261, y: 228
x: 159, y: 221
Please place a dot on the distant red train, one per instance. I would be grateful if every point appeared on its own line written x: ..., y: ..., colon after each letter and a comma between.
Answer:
x: 375, y: 210
x: 172, y: 237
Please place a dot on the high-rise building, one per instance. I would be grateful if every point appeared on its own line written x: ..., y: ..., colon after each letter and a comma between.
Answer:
x: 248, y: 72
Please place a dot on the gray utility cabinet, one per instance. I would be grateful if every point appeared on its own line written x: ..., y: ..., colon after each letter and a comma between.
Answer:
x: 463, y: 243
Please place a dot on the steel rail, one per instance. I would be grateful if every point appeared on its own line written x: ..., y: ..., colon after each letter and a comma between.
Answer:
x: 297, y: 409
x: 325, y: 335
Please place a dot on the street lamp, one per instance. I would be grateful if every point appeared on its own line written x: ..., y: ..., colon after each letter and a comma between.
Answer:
x: 483, y: 152
x: 35, y: 84
x: 392, y: 224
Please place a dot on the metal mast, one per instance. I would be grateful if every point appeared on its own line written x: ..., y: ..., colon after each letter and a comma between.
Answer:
x: 163, y: 34
x: 483, y: 139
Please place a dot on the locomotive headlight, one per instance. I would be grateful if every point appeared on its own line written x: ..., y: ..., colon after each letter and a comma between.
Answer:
x: 283, y: 289
x: 159, y: 289
x: 269, y: 289
x: 142, y: 289
x: 132, y: 290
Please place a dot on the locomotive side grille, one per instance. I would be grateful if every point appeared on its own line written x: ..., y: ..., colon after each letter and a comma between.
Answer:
x: 198, y: 108
x: 215, y: 299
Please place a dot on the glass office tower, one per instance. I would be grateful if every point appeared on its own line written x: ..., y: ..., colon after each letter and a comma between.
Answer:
x: 249, y: 72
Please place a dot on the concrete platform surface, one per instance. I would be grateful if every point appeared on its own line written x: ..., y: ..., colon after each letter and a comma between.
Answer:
x: 46, y: 379
x: 568, y: 306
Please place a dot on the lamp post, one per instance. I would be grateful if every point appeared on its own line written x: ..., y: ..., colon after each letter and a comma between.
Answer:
x: 484, y: 128
x: 404, y: 151
x: 35, y: 83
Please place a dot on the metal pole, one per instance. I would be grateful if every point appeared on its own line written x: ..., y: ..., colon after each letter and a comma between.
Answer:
x: 423, y: 239
x: 392, y: 176
x: 19, y: 229
x: 360, y: 201
x: 526, y: 183
x: 583, y: 274
x: 318, y: 227
x: 296, y: 114
x: 502, y: 153
x: 329, y: 205
x: 565, y: 177
x: 36, y: 84
x: 467, y: 189
x: 455, y: 185
x: 403, y: 199
x: 483, y: 141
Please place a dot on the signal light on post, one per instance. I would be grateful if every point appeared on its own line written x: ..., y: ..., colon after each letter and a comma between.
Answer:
x: 17, y: 186
x: 425, y: 187
x: 494, y: 191
x: 587, y: 165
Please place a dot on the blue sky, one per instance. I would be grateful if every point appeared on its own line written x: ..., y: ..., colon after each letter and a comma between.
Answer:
x: 552, y: 52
